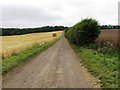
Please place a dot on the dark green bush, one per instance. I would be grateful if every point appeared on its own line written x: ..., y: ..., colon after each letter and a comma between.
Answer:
x: 84, y: 32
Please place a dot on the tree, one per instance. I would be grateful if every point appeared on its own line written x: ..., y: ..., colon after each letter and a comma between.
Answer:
x: 84, y: 32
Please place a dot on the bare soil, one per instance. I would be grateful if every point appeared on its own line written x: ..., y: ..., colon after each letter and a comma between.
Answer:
x: 56, y: 67
x: 112, y: 36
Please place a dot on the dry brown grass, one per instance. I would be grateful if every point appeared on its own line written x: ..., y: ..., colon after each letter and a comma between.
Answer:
x: 17, y: 43
x: 111, y: 36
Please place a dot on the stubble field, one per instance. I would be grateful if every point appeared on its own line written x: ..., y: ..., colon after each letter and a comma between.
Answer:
x: 14, y: 44
x: 108, y: 35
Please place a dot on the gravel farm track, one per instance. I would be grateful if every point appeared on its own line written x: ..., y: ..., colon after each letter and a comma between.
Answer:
x: 56, y: 67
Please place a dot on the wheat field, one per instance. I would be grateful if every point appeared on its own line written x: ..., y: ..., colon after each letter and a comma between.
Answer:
x: 11, y: 45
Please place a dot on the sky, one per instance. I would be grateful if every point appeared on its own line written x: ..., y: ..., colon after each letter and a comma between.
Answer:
x: 37, y: 13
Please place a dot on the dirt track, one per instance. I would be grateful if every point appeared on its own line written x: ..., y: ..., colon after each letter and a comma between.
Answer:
x: 57, y: 67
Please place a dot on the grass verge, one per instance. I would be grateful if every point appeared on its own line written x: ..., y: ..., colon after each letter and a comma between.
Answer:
x: 13, y: 61
x: 102, y: 66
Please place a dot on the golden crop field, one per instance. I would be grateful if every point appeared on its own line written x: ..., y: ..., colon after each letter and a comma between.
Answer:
x: 17, y: 43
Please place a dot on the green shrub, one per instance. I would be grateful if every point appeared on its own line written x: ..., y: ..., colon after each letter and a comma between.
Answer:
x: 84, y: 32
x: 69, y: 35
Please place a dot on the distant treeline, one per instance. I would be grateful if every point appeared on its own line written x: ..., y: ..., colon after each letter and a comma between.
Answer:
x: 110, y: 26
x: 18, y: 31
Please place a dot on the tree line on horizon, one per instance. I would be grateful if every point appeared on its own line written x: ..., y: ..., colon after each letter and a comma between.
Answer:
x: 18, y: 31
x: 110, y: 26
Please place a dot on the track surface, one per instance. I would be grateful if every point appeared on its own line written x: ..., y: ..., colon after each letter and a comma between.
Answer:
x: 57, y: 67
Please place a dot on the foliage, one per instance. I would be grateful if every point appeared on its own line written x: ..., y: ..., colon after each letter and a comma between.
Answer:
x: 84, y: 32
x: 104, y: 48
x: 18, y: 31
x: 102, y: 65
x: 110, y: 26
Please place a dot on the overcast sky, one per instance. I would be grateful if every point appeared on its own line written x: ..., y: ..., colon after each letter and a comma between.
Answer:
x: 34, y: 13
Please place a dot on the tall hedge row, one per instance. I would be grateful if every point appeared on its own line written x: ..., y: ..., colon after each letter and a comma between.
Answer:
x: 84, y: 32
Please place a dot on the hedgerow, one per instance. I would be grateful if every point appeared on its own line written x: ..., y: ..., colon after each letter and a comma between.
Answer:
x: 84, y: 32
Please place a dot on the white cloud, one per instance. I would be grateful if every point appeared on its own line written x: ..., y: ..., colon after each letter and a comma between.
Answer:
x: 29, y: 13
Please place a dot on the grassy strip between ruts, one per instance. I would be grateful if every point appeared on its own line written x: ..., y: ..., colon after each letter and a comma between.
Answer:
x: 102, y: 66
x: 13, y: 61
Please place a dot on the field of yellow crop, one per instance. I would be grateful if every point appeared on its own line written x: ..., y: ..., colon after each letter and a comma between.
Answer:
x: 14, y: 44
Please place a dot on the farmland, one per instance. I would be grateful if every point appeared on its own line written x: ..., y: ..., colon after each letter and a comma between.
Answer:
x: 101, y: 62
x: 108, y: 35
x: 12, y: 45
x: 60, y: 44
